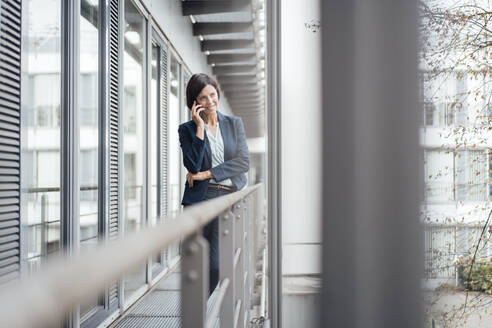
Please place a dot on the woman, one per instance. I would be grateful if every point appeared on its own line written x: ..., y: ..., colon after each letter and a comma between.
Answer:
x: 214, y: 152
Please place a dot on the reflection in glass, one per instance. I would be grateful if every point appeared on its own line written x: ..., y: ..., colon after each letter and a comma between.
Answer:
x: 133, y: 136
x: 88, y: 122
x: 41, y: 118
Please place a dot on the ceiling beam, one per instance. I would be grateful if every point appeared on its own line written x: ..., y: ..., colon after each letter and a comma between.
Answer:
x: 252, y: 102
x: 238, y: 84
x: 221, y: 28
x: 250, y: 114
x: 249, y: 111
x: 241, y: 87
x: 248, y: 100
x: 237, y: 79
x: 213, y: 7
x: 231, y: 44
x: 243, y: 94
x: 229, y: 58
x: 224, y: 70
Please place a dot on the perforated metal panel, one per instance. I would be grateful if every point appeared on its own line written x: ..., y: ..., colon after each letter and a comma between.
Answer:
x: 10, y: 52
x: 154, y: 322
x: 159, y: 303
x: 114, y: 122
x: 173, y: 282
x: 161, y: 307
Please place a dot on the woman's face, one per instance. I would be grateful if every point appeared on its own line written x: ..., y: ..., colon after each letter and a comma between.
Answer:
x: 208, y: 98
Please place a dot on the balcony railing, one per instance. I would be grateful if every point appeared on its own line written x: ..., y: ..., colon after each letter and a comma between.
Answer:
x: 45, y: 298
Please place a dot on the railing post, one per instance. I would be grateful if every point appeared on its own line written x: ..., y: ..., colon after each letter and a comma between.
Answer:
x: 246, y: 258
x: 226, y: 266
x: 44, y: 227
x: 239, y: 268
x: 194, y: 281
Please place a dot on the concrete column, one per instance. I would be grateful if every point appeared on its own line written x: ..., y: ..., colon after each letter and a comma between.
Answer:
x: 372, y: 256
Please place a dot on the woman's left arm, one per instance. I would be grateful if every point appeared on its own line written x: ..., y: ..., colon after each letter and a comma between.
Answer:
x: 239, y: 163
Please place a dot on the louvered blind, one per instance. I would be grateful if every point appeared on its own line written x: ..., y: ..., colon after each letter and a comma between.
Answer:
x: 114, y: 138
x: 10, y: 52
x: 164, y: 136
x: 186, y: 78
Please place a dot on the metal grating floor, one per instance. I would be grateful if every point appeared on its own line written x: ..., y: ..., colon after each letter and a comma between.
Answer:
x: 161, y: 307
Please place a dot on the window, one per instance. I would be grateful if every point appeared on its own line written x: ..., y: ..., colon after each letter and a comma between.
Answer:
x: 439, y: 171
x: 174, y: 148
x: 471, y: 175
x: 429, y: 112
x: 154, y: 145
x: 41, y: 123
x: 89, y: 142
x: 133, y: 137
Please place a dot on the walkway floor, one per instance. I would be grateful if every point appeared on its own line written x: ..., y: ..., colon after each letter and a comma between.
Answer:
x: 161, y: 307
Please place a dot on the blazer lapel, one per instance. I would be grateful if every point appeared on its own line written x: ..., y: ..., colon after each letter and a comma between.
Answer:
x: 225, y: 130
x: 208, y: 151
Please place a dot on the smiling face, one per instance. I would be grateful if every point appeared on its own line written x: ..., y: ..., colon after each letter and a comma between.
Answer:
x: 208, y: 98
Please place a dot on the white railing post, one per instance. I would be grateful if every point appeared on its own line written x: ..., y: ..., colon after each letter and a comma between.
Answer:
x: 194, y: 281
x: 226, y: 266
x: 238, y: 265
x: 246, y: 259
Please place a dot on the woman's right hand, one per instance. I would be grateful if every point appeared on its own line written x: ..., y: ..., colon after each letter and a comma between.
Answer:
x: 196, y: 109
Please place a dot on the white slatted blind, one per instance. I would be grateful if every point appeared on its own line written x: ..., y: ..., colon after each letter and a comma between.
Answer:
x: 10, y: 52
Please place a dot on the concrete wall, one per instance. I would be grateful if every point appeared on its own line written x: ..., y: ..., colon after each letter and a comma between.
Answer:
x: 301, y: 162
x: 301, y: 137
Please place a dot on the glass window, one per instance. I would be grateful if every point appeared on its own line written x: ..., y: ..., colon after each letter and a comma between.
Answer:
x: 40, y: 176
x: 133, y: 136
x: 175, y: 162
x: 439, y: 175
x: 88, y: 121
x: 471, y: 175
x: 154, y: 144
x: 174, y: 148
x: 88, y: 113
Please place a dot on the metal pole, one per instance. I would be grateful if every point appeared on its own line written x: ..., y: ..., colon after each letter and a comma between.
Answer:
x: 274, y: 165
x: 70, y: 184
x: 44, y: 227
x: 194, y: 281
x: 226, y: 266
x: 239, y: 268
x: 371, y: 237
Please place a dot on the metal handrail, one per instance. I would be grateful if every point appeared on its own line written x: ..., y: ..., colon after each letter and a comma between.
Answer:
x: 44, y: 298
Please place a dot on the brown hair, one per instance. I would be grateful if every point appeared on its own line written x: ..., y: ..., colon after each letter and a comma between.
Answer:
x: 195, y: 85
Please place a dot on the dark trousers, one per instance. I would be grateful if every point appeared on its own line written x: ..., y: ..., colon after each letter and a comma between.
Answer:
x: 211, y: 234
